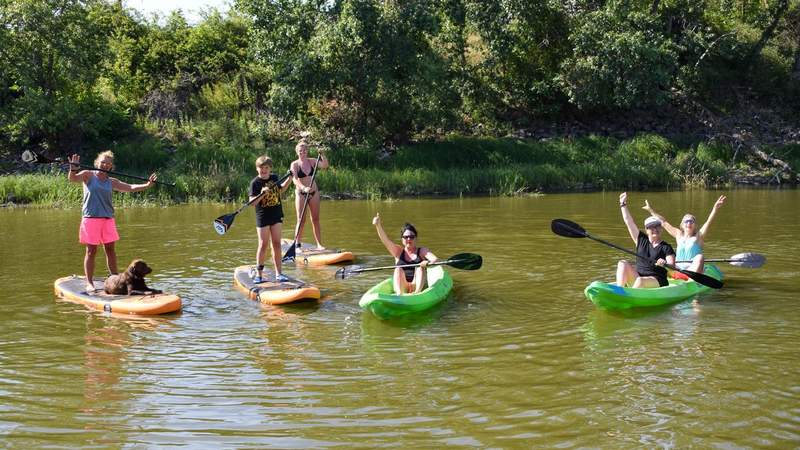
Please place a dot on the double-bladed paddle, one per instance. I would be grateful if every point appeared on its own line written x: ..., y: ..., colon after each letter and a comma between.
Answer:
x: 32, y: 157
x: 567, y: 228
x: 223, y: 223
x: 290, y: 252
x: 463, y: 261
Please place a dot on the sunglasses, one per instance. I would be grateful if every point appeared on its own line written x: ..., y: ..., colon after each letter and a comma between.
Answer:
x: 654, y: 227
x: 409, y: 236
x: 688, y: 221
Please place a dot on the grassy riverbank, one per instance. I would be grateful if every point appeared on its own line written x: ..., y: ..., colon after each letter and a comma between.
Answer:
x: 456, y: 166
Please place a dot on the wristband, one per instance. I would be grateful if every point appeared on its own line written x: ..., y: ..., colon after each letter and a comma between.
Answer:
x: 623, y: 204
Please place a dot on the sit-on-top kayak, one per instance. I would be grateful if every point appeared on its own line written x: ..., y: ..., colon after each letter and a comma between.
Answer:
x: 611, y: 296
x: 314, y: 257
x: 270, y: 291
x: 73, y: 288
x: 384, y: 303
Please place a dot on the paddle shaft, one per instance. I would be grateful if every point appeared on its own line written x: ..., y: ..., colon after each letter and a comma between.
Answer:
x: 43, y: 159
x: 437, y: 263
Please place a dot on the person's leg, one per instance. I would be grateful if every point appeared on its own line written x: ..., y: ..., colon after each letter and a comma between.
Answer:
x: 111, y: 257
x: 299, y: 201
x: 88, y: 265
x: 625, y: 273
x: 314, y: 206
x: 697, y: 263
x: 261, y: 252
x: 275, y: 237
x: 420, y: 275
x: 646, y: 282
x: 399, y: 281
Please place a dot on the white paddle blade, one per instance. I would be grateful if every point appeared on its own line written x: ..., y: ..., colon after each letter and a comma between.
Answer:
x: 220, y: 228
x: 748, y: 260
x: 28, y: 156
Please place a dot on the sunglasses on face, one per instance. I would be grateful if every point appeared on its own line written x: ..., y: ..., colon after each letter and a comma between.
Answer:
x: 654, y: 228
x: 409, y: 236
x: 688, y: 221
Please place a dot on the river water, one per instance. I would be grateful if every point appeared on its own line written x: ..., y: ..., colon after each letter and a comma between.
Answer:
x: 515, y: 358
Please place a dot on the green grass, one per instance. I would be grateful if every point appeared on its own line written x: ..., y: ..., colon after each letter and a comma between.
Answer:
x: 215, y: 160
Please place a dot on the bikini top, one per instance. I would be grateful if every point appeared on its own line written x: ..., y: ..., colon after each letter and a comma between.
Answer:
x: 301, y: 174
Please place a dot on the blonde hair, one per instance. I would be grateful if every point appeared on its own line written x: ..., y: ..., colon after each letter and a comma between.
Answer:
x: 263, y: 160
x: 107, y: 153
x: 303, y: 143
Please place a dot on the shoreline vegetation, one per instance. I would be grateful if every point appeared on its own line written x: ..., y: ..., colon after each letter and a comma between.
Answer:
x: 462, y: 97
x: 455, y: 166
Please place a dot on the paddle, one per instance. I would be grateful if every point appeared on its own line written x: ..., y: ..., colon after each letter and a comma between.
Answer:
x: 222, y: 223
x: 463, y: 261
x: 32, y: 157
x: 567, y: 228
x: 290, y: 252
x: 748, y: 260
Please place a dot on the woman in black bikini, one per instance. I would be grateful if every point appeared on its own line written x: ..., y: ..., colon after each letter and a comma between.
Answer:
x: 302, y: 171
x: 406, y: 279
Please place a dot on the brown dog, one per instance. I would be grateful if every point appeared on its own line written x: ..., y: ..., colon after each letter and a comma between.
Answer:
x: 130, y: 282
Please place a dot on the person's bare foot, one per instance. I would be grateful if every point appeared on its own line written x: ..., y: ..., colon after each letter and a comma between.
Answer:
x: 90, y: 288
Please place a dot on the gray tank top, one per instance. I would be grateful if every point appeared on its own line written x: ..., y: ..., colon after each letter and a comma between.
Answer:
x: 97, y: 198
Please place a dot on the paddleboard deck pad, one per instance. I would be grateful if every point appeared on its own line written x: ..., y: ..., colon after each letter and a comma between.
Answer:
x: 73, y: 288
x: 313, y: 257
x: 271, y: 292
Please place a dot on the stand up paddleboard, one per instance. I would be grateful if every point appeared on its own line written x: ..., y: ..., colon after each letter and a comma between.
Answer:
x: 313, y: 257
x: 270, y: 291
x: 73, y: 288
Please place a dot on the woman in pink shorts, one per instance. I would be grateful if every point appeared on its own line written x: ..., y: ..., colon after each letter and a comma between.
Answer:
x: 97, y: 225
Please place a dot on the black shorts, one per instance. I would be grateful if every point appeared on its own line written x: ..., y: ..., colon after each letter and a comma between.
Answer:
x: 269, y: 216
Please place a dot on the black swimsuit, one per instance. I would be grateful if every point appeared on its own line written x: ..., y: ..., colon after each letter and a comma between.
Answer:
x: 409, y: 271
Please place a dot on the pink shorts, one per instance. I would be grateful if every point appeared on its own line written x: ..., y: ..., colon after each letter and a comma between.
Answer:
x: 98, y: 230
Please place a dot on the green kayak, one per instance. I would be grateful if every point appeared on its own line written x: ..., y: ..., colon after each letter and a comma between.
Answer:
x: 385, y: 304
x: 611, y: 296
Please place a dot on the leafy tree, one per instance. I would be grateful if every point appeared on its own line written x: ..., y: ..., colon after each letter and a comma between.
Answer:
x: 51, y: 58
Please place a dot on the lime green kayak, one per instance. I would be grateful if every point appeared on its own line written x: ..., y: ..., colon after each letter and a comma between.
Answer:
x: 384, y: 303
x: 611, y: 296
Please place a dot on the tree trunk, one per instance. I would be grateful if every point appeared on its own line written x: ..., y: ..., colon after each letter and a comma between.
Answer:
x: 780, y: 11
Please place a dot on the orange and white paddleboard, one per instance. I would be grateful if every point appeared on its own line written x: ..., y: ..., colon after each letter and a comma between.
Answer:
x: 314, y: 257
x: 272, y: 292
x: 73, y: 288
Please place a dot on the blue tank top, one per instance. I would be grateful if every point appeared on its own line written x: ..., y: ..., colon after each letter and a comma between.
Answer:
x: 97, y: 198
x: 688, y: 248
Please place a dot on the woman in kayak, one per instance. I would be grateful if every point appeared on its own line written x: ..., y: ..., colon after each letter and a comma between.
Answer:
x: 406, y: 279
x: 653, y: 252
x: 303, y: 170
x: 690, y: 239
x: 97, y: 222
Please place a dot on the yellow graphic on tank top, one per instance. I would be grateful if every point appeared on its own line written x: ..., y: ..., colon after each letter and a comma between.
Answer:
x: 271, y: 196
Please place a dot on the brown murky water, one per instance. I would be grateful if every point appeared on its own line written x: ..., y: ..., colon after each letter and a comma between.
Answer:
x: 516, y: 358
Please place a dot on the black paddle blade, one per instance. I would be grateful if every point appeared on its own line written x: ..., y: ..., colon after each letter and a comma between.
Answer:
x: 748, y: 260
x: 222, y: 223
x: 701, y: 278
x: 290, y: 252
x: 465, y: 261
x: 567, y: 228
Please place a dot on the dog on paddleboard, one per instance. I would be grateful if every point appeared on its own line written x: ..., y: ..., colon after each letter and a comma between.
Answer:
x: 131, y: 281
